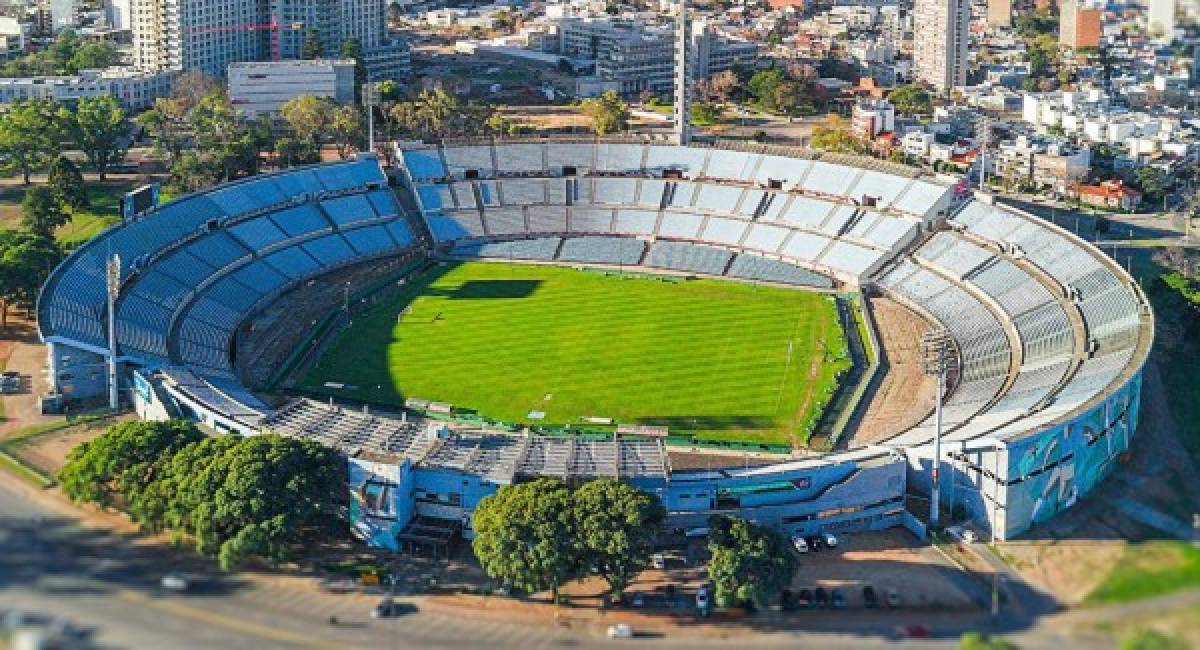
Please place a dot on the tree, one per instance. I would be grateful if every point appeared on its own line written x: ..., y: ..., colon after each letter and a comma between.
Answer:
x: 191, y: 88
x: 98, y: 126
x: 41, y: 211
x: 616, y: 524
x: 128, y: 454
x: 749, y: 563
x: 26, y: 260
x: 1152, y: 181
x: 93, y: 56
x: 308, y: 117
x: 911, y: 100
x: 312, y: 47
x: 29, y: 132
x: 763, y: 87
x: 346, y: 126
x: 525, y: 534
x: 609, y: 112
x: 835, y: 135
x: 352, y: 49
x: 723, y: 85
x: 166, y: 124
x: 67, y: 183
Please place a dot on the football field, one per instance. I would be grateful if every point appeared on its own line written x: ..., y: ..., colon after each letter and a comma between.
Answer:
x: 719, y: 360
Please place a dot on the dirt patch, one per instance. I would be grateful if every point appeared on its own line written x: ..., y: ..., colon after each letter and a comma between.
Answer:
x: 48, y: 451
x: 905, y: 394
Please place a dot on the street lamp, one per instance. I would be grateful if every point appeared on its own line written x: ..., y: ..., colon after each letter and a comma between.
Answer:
x: 113, y: 282
x: 938, y: 360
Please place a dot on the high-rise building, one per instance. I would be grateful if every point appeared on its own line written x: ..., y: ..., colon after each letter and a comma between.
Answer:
x: 940, y: 42
x: 1160, y: 18
x: 1079, y: 26
x: 197, y: 35
x: 209, y: 35
x: 999, y: 13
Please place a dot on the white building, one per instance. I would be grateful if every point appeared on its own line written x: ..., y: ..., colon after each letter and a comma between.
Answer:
x: 940, y: 42
x: 872, y: 117
x: 136, y: 90
x: 263, y: 88
x: 1160, y: 18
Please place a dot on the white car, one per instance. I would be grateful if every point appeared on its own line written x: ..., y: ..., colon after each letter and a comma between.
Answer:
x: 800, y: 544
x: 658, y: 561
x: 620, y: 631
x: 702, y: 598
x: 830, y: 539
x: 174, y: 582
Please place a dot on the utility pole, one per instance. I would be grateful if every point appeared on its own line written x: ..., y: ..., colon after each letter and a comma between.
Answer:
x: 939, y: 358
x: 113, y: 281
x: 984, y: 135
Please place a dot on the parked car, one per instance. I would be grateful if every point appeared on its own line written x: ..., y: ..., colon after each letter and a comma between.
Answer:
x: 804, y: 599
x: 893, y: 598
x: 694, y: 533
x: 175, y: 582
x: 814, y: 542
x: 702, y: 602
x: 800, y: 544
x: 821, y: 597
x: 869, y: 597
x: 638, y: 600
x: 830, y: 540
x: 658, y: 561
x: 913, y: 631
x: 838, y: 598
x: 387, y: 608
x: 620, y: 631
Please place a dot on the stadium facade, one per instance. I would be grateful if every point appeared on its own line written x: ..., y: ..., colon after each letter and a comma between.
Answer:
x: 1049, y: 334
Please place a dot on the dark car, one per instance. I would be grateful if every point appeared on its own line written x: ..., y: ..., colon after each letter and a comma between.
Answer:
x: 839, y: 599
x: 804, y: 599
x: 821, y: 597
x: 787, y: 600
x: 815, y: 543
x: 869, y: 597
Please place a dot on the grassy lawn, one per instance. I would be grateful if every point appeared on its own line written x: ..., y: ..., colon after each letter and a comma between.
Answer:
x: 104, y: 210
x: 1150, y: 569
x: 720, y: 360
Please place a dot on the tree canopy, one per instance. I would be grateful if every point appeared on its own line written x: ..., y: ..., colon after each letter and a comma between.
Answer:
x: 609, y: 113
x: 911, y: 100
x: 100, y: 128
x: 128, y: 454
x: 25, y: 261
x: 65, y: 179
x: 749, y: 563
x: 616, y: 524
x: 41, y: 211
x: 29, y: 133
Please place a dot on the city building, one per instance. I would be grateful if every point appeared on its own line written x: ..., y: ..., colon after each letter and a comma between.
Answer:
x: 1079, y: 26
x: 1160, y: 18
x: 1042, y: 163
x: 872, y: 117
x: 135, y: 89
x: 940, y: 42
x: 12, y: 38
x: 264, y: 87
x: 1110, y: 194
x: 333, y: 22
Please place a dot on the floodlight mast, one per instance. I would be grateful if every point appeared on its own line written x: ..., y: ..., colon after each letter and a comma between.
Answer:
x: 683, y: 77
x: 113, y: 281
x: 939, y: 360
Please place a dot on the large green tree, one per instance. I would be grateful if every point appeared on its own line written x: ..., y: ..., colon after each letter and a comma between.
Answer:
x: 100, y: 128
x: 41, y: 211
x: 911, y: 100
x: 65, y: 179
x: 609, y: 113
x: 616, y: 524
x: 25, y: 261
x: 312, y: 48
x: 128, y: 454
x: 749, y: 563
x: 525, y: 534
x: 29, y: 132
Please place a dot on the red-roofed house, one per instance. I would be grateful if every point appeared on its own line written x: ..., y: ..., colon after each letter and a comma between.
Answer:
x: 1110, y: 194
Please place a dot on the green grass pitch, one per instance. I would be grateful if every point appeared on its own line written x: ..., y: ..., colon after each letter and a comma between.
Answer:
x: 716, y: 359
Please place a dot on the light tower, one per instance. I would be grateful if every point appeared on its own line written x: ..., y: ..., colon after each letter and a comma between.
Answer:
x: 939, y: 359
x: 683, y: 76
x: 113, y: 278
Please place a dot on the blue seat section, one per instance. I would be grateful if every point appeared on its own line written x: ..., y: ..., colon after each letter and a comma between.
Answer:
x: 258, y: 233
x: 248, y: 196
x: 185, y: 267
x: 350, y: 209
x: 370, y: 240
x: 688, y: 257
x: 218, y: 249
x: 260, y: 276
x: 384, y: 202
x: 602, y: 250
x: 753, y: 267
x: 541, y: 248
x: 299, y: 182
x: 344, y: 176
x: 293, y: 262
x: 330, y: 249
x: 160, y: 287
x: 142, y: 327
x: 231, y: 293
x: 210, y: 310
x: 300, y: 220
x: 424, y: 163
x: 203, y: 333
x: 401, y: 232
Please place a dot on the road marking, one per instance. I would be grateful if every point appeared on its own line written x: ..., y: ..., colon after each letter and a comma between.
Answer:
x: 219, y: 620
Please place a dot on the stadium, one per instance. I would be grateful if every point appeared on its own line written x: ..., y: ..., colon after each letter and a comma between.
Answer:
x: 735, y: 329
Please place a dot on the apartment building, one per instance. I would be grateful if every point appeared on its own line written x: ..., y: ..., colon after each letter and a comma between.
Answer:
x: 940, y: 33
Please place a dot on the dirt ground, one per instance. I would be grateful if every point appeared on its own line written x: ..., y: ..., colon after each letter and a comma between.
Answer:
x: 23, y: 353
x: 887, y: 560
x: 48, y: 451
x: 905, y: 394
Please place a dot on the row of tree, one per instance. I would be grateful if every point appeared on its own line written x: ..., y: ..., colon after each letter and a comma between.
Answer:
x: 236, y: 497
x: 67, y: 55
x: 33, y: 131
